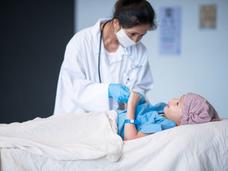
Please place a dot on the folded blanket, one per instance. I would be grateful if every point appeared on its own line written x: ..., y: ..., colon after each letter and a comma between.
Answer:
x: 72, y: 136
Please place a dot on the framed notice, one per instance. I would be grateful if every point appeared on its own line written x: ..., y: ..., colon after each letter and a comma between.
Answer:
x: 170, y: 30
x: 207, y: 16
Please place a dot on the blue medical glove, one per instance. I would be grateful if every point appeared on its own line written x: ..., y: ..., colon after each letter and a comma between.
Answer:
x: 118, y: 92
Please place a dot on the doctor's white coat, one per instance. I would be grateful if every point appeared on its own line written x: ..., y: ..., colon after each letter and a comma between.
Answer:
x: 78, y: 85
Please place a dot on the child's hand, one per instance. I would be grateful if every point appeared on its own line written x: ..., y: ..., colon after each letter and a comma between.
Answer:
x: 136, y: 98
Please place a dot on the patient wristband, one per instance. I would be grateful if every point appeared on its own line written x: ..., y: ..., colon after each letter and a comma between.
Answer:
x: 129, y: 121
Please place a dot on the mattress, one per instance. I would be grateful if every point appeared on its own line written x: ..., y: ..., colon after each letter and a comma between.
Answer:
x: 189, y: 147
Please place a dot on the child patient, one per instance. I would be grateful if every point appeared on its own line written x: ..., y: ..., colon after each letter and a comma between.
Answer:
x: 142, y: 118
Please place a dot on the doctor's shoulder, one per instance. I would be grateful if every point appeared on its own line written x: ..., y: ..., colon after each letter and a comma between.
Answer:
x: 82, y: 37
x: 78, y: 46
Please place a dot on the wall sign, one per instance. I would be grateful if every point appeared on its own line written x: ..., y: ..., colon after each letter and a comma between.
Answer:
x: 207, y: 16
x: 170, y: 30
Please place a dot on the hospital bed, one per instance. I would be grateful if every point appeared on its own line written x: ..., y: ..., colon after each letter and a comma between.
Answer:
x: 190, y: 147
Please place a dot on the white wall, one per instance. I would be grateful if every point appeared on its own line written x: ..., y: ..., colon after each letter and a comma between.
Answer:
x: 202, y: 65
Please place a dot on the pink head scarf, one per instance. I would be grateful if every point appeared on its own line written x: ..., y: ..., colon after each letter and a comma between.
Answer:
x: 197, y: 109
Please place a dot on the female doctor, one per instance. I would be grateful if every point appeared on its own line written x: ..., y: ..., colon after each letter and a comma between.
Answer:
x: 104, y: 62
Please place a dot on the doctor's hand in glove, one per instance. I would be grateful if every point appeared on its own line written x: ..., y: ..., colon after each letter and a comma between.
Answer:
x: 118, y: 92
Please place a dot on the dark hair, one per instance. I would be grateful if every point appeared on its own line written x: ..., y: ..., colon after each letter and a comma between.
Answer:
x: 131, y: 13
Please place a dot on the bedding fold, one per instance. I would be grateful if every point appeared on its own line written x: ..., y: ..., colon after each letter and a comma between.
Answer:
x: 73, y: 136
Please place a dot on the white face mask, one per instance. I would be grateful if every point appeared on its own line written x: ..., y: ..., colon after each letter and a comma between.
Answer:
x: 123, y: 39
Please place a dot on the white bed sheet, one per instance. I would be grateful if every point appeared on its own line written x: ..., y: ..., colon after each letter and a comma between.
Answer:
x: 71, y: 136
x: 191, y: 147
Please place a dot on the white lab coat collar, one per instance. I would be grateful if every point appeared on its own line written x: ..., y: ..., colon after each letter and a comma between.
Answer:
x: 96, y: 30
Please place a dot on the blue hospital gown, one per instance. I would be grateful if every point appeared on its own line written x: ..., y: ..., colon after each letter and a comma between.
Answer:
x: 148, y: 119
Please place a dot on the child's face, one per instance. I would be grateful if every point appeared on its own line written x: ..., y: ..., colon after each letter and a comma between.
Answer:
x: 173, y: 110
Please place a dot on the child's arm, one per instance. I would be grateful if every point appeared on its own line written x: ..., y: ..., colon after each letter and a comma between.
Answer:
x: 130, y: 131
